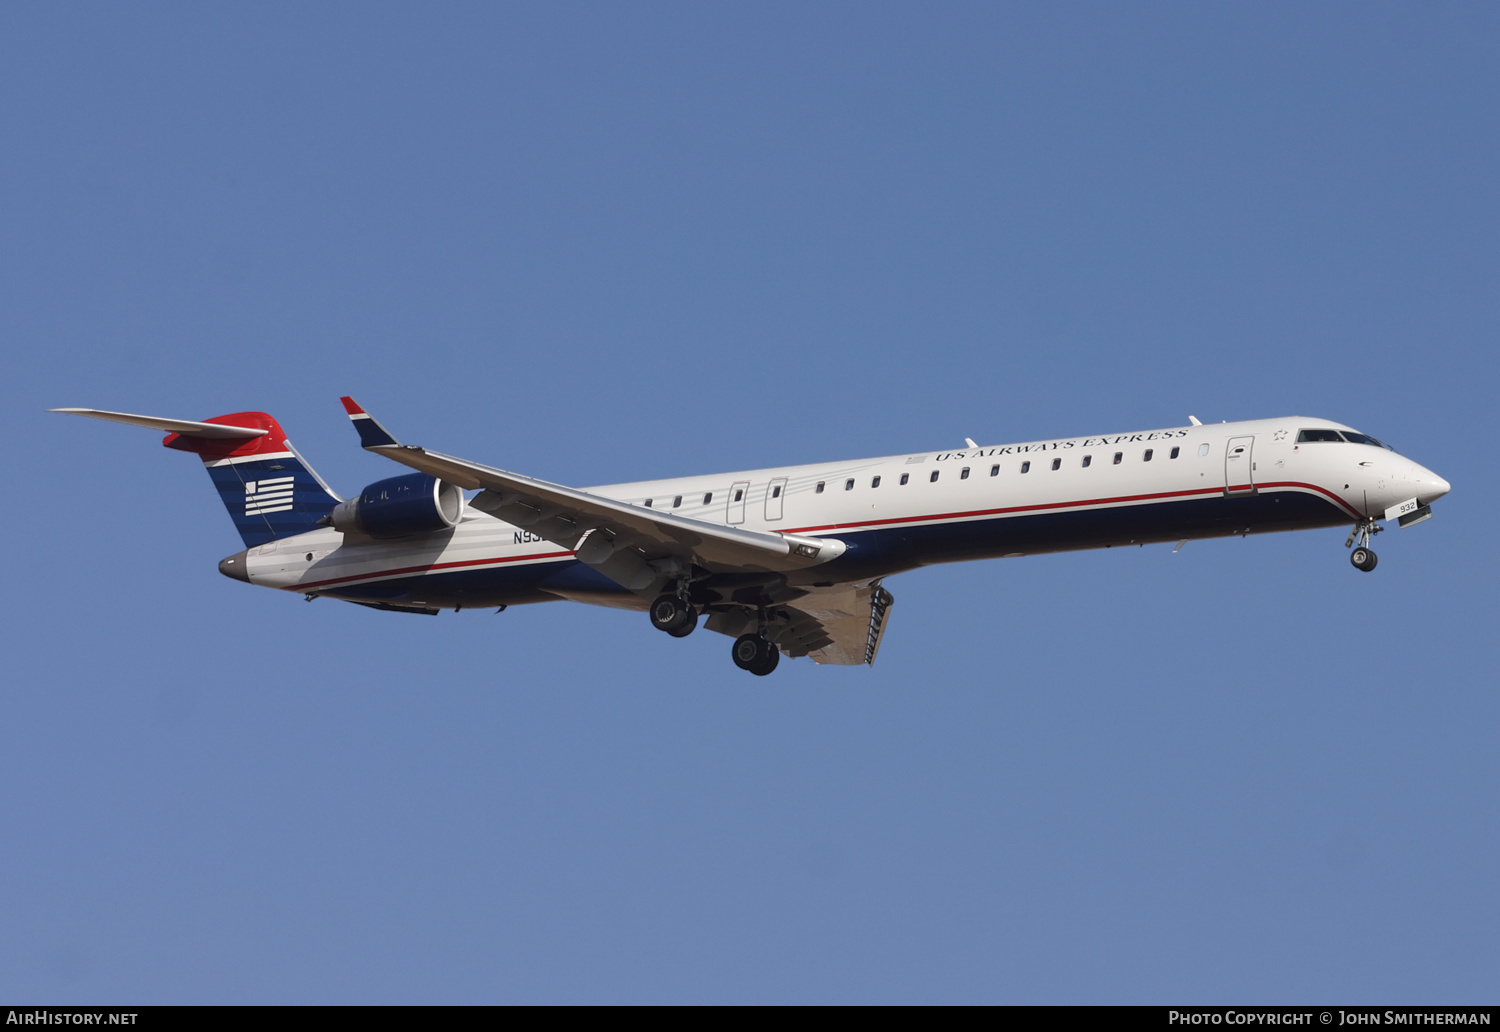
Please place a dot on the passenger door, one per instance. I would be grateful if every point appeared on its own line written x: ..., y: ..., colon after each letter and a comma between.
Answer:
x: 1239, y: 469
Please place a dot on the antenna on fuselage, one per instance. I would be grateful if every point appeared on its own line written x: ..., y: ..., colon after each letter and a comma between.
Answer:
x: 970, y: 442
x: 1194, y: 420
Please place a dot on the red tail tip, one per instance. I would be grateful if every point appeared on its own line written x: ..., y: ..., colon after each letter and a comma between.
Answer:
x: 352, y: 407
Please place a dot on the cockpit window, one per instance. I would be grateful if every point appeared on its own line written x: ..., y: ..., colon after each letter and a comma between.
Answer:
x: 1354, y: 438
x: 1305, y: 436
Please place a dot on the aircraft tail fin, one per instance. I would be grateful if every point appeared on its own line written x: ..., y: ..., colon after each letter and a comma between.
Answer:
x: 269, y: 490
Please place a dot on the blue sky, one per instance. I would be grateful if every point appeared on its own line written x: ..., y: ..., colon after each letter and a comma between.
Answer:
x: 597, y: 243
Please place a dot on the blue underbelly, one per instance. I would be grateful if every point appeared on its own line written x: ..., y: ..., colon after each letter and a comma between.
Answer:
x: 880, y: 551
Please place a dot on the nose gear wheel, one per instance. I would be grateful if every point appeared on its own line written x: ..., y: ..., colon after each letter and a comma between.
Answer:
x: 1363, y: 557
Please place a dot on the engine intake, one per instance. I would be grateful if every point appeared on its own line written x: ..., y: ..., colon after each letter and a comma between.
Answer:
x: 412, y: 504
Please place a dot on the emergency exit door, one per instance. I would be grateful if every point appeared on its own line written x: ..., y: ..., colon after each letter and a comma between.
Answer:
x: 775, y: 498
x: 737, y: 493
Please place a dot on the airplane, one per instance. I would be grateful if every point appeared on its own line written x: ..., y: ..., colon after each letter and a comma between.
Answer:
x: 786, y: 561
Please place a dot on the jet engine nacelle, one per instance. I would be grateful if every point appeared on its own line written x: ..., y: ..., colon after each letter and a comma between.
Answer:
x: 412, y: 504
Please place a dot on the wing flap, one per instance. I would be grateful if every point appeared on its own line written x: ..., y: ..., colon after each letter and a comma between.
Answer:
x: 842, y: 626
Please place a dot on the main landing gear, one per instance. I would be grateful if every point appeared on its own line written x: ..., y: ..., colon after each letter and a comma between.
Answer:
x: 1363, y: 557
x: 753, y: 653
x: 674, y: 614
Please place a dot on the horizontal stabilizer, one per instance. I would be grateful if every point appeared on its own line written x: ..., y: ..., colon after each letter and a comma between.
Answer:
x: 269, y: 491
x: 185, y: 427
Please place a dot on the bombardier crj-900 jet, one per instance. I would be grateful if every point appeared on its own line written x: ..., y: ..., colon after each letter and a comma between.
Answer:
x: 784, y: 561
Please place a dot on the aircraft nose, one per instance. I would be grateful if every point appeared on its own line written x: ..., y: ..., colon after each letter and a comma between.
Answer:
x: 1430, y: 486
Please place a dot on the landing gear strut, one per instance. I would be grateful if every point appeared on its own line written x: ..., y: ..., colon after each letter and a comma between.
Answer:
x: 753, y: 653
x: 674, y: 614
x: 1363, y: 557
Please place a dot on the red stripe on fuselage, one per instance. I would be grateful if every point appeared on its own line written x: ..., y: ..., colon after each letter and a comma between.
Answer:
x: 1010, y: 510
x: 1068, y: 505
x: 1351, y: 510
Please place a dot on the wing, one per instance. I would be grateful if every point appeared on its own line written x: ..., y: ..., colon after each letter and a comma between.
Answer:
x: 842, y: 625
x: 632, y: 545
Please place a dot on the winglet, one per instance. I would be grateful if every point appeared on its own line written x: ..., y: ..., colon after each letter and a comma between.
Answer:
x: 371, y: 433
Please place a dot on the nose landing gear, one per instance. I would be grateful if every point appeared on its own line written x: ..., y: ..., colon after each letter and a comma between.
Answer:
x: 1363, y: 557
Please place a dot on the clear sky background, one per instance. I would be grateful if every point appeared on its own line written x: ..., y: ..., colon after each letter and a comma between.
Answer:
x: 596, y: 243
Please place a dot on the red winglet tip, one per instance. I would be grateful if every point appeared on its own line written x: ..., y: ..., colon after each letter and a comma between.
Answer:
x: 352, y: 407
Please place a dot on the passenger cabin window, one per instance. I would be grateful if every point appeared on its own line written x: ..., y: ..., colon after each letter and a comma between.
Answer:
x: 933, y: 479
x: 995, y: 470
x: 1057, y: 463
x: 963, y: 474
x: 848, y: 485
x: 1147, y: 457
x: 1318, y: 435
x: 874, y: 481
x: 1026, y: 467
x: 776, y: 491
x: 739, y: 494
x: 1203, y: 448
x: 1118, y: 457
x: 1088, y: 460
x: 708, y: 498
x: 676, y: 502
x: 648, y: 503
x: 819, y: 488
x: 904, y: 478
x: 1175, y: 452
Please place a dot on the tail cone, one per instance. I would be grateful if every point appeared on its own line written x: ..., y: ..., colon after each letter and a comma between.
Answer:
x: 234, y: 567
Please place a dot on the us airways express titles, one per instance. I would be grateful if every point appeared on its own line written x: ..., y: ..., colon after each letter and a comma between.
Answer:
x: 787, y: 561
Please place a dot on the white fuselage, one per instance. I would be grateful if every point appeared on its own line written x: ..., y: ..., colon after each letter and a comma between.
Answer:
x: 907, y: 510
